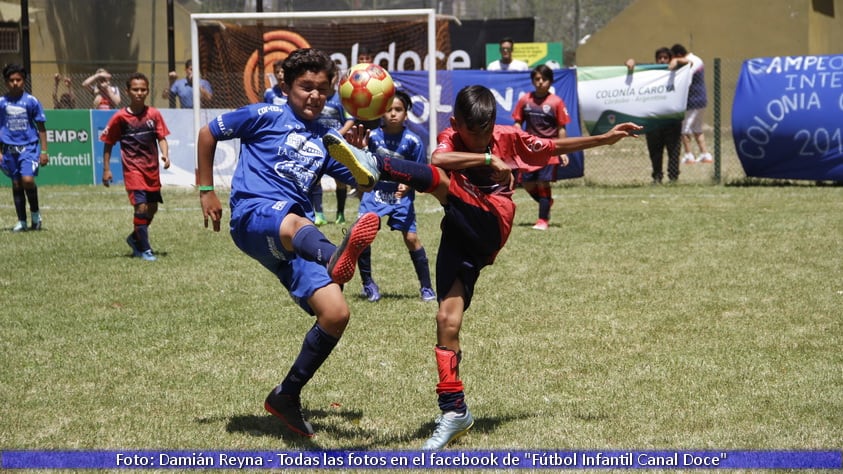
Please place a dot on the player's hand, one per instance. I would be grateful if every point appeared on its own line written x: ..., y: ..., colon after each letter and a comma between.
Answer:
x: 501, y: 172
x: 357, y: 136
x: 44, y: 159
x: 564, y: 160
x: 211, y: 208
x: 106, y: 178
x: 166, y: 161
x: 621, y: 130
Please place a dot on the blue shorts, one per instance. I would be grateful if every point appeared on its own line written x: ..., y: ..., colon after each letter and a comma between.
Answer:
x: 548, y: 173
x: 401, y: 212
x: 21, y: 160
x: 255, y: 229
x: 144, y: 197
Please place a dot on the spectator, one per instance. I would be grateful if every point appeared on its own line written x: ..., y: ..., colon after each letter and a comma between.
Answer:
x: 275, y: 94
x: 106, y: 95
x: 66, y: 100
x: 665, y: 137
x: 697, y: 101
x: 183, y: 88
x: 506, y: 63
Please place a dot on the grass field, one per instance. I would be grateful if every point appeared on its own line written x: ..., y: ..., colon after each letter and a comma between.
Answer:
x: 676, y: 317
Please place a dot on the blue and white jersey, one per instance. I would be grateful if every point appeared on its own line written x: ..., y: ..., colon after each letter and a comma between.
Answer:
x: 275, y: 96
x: 333, y: 115
x: 281, y: 157
x: 403, y: 146
x: 18, y: 116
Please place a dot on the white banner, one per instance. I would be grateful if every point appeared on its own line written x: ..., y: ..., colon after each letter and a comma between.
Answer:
x: 648, y: 96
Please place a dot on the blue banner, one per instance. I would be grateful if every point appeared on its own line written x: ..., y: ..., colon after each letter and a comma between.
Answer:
x: 452, y: 459
x: 787, y: 117
x: 507, y: 87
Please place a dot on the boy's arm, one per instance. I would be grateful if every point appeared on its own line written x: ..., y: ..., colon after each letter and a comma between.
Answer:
x: 164, y: 150
x: 44, y: 158
x: 572, y: 144
x: 206, y: 146
x: 106, y: 165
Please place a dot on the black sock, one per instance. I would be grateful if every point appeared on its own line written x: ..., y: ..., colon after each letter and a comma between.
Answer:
x: 317, y: 346
x: 420, y: 263
x: 32, y: 197
x: 19, y: 198
x: 364, y: 265
x: 311, y: 244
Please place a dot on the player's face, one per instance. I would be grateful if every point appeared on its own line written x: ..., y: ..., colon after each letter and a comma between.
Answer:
x: 365, y: 58
x: 541, y: 84
x: 662, y: 58
x: 308, y: 93
x: 138, y: 90
x: 475, y: 141
x: 395, y: 115
x: 15, y: 83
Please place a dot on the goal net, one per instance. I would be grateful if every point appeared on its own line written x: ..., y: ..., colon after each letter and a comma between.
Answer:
x: 236, y: 51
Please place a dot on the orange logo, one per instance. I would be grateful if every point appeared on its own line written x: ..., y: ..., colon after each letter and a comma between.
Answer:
x: 277, y: 45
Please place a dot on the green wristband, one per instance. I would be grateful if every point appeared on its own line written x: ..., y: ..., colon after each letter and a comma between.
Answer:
x: 206, y: 188
x: 488, y: 158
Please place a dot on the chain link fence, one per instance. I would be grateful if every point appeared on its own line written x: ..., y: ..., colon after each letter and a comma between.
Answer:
x: 625, y: 163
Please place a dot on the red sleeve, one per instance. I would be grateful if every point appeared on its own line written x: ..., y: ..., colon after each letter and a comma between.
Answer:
x: 161, y: 129
x: 518, y: 111
x: 111, y: 133
x: 521, y: 150
x: 562, y: 117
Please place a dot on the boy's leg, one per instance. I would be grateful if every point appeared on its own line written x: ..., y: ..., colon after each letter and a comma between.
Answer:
x: 422, y: 177
x: 342, y: 196
x: 19, y: 198
x: 31, y: 191
x: 370, y: 289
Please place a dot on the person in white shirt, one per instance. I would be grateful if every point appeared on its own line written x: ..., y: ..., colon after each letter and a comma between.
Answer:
x: 506, y: 63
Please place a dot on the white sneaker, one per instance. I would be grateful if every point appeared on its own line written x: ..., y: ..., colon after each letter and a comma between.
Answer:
x: 449, y: 426
x: 688, y: 159
x: 705, y: 158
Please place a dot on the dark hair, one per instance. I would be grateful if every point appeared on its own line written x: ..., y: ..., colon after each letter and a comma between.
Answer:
x: 506, y: 39
x: 188, y: 63
x: 545, y: 71
x: 308, y: 60
x: 475, y: 107
x: 678, y: 50
x: 136, y: 76
x: 13, y: 69
x: 663, y: 50
x: 278, y: 65
x: 405, y: 98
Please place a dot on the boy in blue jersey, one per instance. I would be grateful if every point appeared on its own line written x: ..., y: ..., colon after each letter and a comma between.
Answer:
x: 24, y: 141
x: 281, y: 156
x: 275, y: 94
x: 395, y: 200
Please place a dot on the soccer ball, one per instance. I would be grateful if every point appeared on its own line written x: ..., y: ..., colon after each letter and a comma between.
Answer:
x: 366, y: 91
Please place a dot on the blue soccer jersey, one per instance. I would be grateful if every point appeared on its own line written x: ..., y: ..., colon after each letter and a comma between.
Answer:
x: 18, y: 117
x: 275, y: 96
x: 281, y: 157
x: 382, y: 199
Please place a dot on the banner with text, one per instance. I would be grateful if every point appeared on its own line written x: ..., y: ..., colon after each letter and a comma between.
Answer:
x: 649, y: 96
x: 787, y: 116
x: 536, y: 459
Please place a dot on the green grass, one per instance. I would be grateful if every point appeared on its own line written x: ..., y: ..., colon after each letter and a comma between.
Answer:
x: 676, y: 317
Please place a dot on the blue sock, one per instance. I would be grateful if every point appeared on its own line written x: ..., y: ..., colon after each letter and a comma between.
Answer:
x: 420, y: 263
x: 311, y: 244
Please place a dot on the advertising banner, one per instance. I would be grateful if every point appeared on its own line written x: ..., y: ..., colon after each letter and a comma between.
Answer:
x: 787, y: 117
x: 99, y: 120
x: 649, y: 96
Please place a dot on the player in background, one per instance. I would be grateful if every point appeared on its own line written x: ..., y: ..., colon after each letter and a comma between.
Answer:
x: 142, y: 133
x: 333, y: 116
x: 471, y: 176
x: 24, y: 140
x: 275, y: 94
x: 543, y: 114
x: 281, y: 157
x: 395, y: 200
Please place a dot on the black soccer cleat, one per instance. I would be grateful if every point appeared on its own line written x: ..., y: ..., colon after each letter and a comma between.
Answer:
x: 287, y: 408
